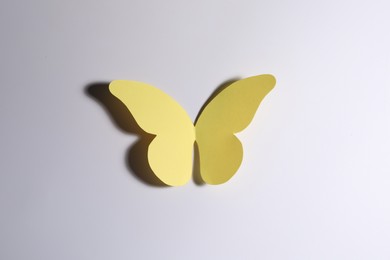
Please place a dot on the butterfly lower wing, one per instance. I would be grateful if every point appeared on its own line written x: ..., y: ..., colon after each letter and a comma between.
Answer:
x: 219, y: 157
x: 229, y: 112
x: 170, y: 152
x: 170, y: 158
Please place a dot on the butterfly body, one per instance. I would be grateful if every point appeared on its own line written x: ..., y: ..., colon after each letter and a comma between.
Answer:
x: 170, y: 154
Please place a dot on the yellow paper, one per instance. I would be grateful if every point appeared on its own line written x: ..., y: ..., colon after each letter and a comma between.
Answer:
x: 171, y: 151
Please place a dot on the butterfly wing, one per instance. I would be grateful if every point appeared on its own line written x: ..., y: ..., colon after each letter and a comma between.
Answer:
x: 229, y: 112
x: 170, y: 152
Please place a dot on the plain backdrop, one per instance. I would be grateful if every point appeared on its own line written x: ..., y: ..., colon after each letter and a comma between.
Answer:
x: 314, y: 182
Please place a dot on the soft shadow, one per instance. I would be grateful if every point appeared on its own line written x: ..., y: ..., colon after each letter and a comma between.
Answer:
x: 136, y: 156
x: 196, y: 177
x: 218, y: 90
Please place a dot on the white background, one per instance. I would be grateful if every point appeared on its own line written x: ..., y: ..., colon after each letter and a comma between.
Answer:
x: 315, y: 180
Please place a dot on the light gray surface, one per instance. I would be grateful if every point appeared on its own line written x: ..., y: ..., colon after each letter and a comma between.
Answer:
x: 315, y: 180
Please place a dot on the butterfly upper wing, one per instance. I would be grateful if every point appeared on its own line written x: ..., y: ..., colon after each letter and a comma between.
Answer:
x: 229, y: 112
x: 170, y: 152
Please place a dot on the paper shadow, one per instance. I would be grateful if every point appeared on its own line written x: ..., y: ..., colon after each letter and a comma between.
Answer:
x: 136, y: 156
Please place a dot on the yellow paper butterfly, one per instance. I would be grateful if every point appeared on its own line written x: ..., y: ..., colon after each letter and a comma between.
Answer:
x: 170, y: 154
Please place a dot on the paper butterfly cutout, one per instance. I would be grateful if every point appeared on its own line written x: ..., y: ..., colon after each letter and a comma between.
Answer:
x: 170, y: 154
